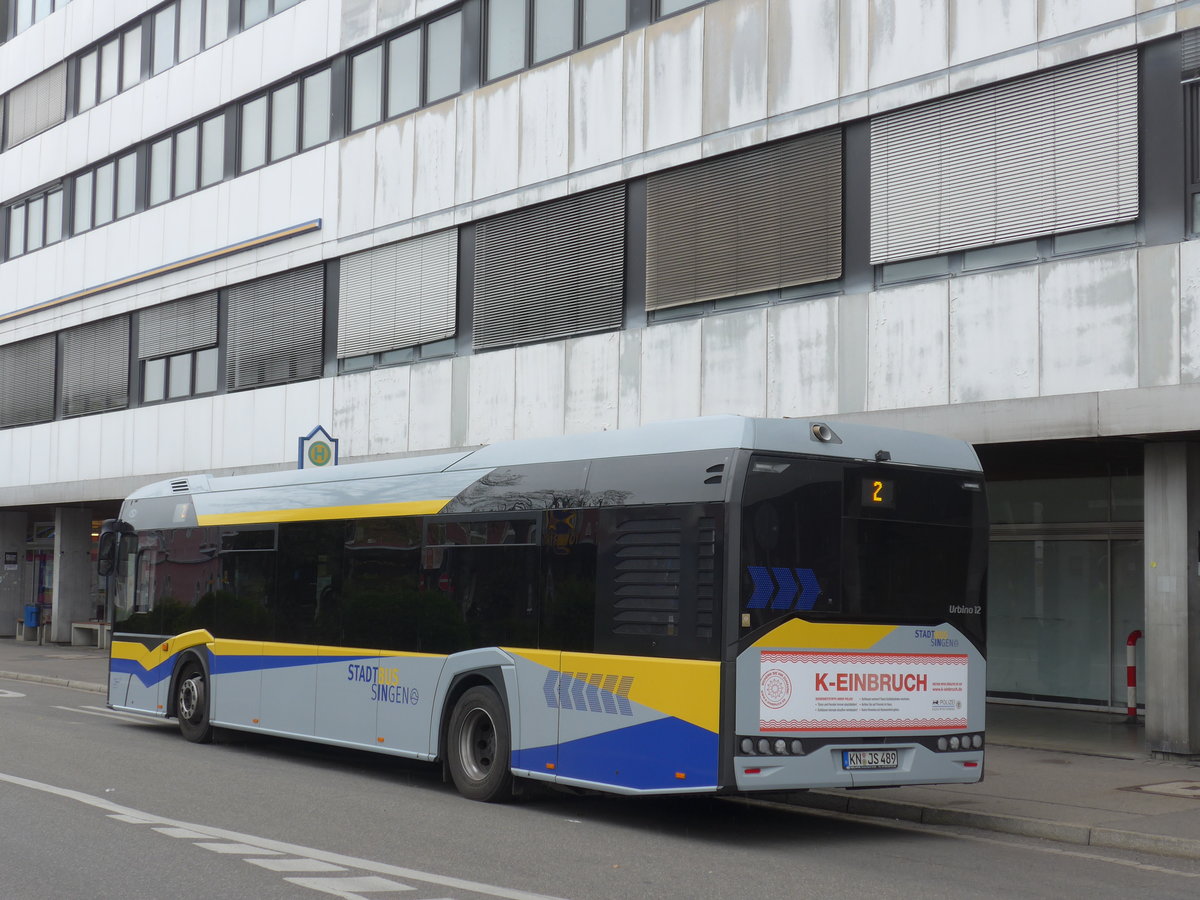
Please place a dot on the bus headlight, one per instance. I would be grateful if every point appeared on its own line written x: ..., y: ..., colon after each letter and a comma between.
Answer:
x: 747, y: 746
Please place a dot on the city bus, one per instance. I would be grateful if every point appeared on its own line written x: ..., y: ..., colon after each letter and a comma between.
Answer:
x: 716, y: 605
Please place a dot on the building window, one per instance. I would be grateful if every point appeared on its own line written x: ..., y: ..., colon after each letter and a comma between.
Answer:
x: 94, y: 367
x: 35, y: 222
x: 758, y: 220
x: 27, y: 373
x: 443, y: 66
x: 105, y: 193
x: 397, y: 298
x: 551, y: 271
x: 177, y: 348
x: 272, y: 126
x: 524, y: 33
x: 28, y: 12
x: 666, y: 7
x: 36, y: 105
x: 276, y: 329
x: 1053, y: 152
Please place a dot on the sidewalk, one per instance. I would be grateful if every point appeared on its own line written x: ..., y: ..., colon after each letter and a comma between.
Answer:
x: 1074, y: 776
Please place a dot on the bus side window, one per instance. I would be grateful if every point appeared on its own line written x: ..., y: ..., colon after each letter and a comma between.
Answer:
x: 569, y: 580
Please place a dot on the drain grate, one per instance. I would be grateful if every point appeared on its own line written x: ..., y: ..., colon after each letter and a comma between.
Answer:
x: 1190, y: 789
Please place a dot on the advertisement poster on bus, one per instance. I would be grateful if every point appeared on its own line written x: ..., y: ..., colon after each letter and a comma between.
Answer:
x: 823, y: 690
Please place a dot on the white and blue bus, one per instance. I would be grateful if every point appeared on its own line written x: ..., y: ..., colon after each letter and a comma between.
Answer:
x: 721, y: 604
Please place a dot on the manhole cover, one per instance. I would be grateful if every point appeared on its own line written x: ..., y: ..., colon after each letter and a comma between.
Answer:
x: 1189, y: 789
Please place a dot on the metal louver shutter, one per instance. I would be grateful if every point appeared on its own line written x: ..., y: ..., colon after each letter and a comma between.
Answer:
x: 38, y: 104
x: 1050, y: 153
x: 551, y: 271
x: 756, y: 220
x: 275, y: 329
x: 95, y: 367
x: 400, y: 295
x: 175, y: 327
x: 1190, y: 54
x: 27, y: 374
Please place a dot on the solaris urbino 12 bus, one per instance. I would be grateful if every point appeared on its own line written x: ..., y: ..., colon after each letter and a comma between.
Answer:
x: 711, y: 605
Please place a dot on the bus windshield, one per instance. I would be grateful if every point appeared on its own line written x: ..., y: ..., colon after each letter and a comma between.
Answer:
x: 906, y: 549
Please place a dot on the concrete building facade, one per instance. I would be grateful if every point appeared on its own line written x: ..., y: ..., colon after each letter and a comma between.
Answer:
x: 426, y: 225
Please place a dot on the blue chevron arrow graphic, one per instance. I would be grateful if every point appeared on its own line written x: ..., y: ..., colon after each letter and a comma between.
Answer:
x: 764, y: 587
x: 787, y: 589
x: 811, y: 589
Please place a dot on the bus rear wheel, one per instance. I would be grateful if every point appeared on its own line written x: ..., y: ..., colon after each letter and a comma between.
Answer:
x: 191, y: 703
x: 478, y: 746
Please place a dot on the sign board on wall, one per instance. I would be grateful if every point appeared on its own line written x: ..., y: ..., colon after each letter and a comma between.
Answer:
x: 317, y: 450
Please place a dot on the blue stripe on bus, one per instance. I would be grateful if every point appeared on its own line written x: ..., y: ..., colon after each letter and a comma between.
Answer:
x: 220, y: 664
x: 641, y: 757
x: 148, y: 677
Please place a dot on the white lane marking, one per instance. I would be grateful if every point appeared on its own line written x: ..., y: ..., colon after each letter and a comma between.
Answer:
x: 351, y: 887
x: 132, y: 820
x: 296, y: 865
x: 9, y: 694
x: 102, y: 713
x: 350, y: 862
x: 182, y: 833
x: 223, y: 847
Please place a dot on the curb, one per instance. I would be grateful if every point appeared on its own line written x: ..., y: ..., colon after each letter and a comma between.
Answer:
x: 57, y: 682
x: 1044, y: 829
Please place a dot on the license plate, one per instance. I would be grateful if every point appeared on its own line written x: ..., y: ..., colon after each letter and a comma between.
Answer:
x: 870, y: 759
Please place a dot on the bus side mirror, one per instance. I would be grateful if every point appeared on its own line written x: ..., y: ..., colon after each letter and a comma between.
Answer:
x: 109, y: 547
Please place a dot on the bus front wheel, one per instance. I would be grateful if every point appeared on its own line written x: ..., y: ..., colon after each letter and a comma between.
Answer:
x: 478, y: 746
x: 191, y: 703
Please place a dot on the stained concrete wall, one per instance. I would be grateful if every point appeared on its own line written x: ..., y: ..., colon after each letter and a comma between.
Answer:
x: 74, y: 571
x: 13, y: 527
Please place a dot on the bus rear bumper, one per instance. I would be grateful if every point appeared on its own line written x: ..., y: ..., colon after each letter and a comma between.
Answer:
x: 827, y: 768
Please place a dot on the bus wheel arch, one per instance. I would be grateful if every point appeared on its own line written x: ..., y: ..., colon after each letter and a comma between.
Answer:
x: 476, y: 738
x: 190, y: 698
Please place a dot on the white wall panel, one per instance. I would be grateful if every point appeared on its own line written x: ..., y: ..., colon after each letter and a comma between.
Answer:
x: 734, y: 364
x: 351, y: 422
x: 172, y: 421
x: 356, y: 182
x: 143, y: 437
x: 802, y: 55
x: 497, y: 126
x: 198, y: 415
x: 64, y: 444
x: 1089, y: 324
x: 674, y: 79
x: 276, y: 191
x: 994, y: 336
x: 908, y: 38
x: 545, y: 116
x: 303, y: 411
x: 1059, y: 17
x: 540, y: 390
x: 596, y: 112
x: 907, y: 346
x: 433, y: 172
x: 244, y: 56
x: 463, y: 176
x: 20, y: 457
x: 99, y: 134
x: 979, y: 28
x: 634, y: 129
x: 735, y: 64
x: 854, y: 33
x: 492, y: 397
x: 113, y: 455
x: 389, y: 410
x: 239, y: 425
x: 430, y: 404
x: 1189, y: 311
x: 268, y: 436
x: 670, y: 371
x: 1158, y: 315
x: 802, y: 358
x: 393, y: 173
x: 41, y: 454
x: 592, y: 365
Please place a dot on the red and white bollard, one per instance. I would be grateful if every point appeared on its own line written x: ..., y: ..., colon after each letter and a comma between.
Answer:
x: 1131, y: 674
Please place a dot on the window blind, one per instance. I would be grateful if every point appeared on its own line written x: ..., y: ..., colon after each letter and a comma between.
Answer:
x: 1054, y: 152
x: 176, y: 327
x: 95, y: 367
x: 752, y: 221
x: 400, y: 295
x: 38, y: 104
x: 27, y: 374
x: 275, y: 329
x: 552, y: 270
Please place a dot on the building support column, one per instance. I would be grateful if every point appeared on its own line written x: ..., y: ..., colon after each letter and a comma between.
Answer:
x: 72, y: 571
x: 13, y: 530
x: 1172, y: 523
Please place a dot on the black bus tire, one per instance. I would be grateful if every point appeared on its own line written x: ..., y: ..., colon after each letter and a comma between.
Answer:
x: 478, y: 746
x: 191, y: 703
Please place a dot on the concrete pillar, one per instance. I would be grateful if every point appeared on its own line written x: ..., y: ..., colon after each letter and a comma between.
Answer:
x: 1172, y: 521
x: 73, y: 566
x: 13, y: 527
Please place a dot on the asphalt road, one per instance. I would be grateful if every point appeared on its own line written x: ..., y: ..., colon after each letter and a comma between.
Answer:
x: 95, y: 804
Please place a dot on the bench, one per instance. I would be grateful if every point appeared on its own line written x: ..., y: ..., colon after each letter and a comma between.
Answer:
x: 25, y: 634
x: 89, y: 634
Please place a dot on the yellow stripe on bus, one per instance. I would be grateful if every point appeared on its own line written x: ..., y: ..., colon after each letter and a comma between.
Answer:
x: 799, y: 634
x: 321, y: 513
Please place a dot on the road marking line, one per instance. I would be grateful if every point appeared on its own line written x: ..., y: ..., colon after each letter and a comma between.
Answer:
x: 259, y: 843
x: 352, y: 886
x: 296, y: 865
x: 223, y: 847
x: 132, y: 820
x: 183, y: 833
x: 6, y: 694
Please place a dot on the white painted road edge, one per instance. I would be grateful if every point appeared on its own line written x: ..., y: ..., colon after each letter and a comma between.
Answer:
x: 267, y: 844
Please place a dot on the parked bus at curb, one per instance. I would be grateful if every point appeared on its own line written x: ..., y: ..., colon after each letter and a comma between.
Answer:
x: 712, y: 605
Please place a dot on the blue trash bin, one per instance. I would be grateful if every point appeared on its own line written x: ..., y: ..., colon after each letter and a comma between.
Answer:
x: 32, y: 617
